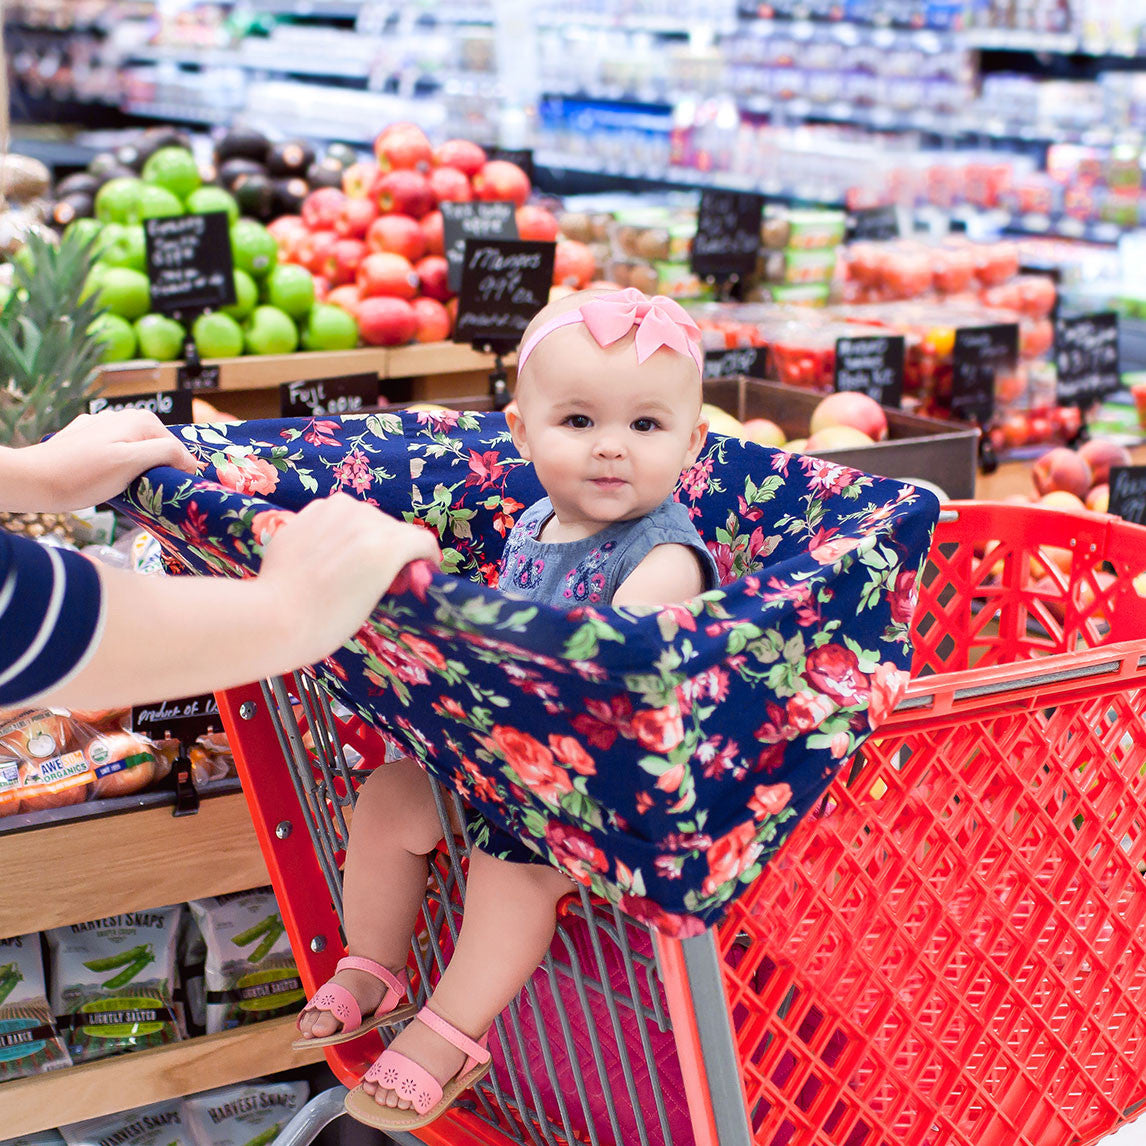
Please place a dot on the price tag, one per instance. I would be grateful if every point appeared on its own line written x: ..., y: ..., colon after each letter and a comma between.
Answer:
x: 505, y: 282
x: 189, y: 262
x: 318, y: 396
x: 171, y: 407
x: 461, y: 221
x: 981, y: 353
x: 191, y: 376
x: 185, y: 719
x: 1086, y: 356
x: 522, y: 156
x: 872, y: 365
x: 749, y: 360
x: 1128, y: 493
x: 873, y: 223
x: 727, y: 238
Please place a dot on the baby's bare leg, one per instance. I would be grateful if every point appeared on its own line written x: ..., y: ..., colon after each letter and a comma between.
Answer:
x: 508, y: 924
x: 394, y: 827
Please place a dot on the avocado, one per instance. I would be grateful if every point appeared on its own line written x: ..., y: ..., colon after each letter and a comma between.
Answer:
x: 231, y: 169
x: 115, y: 171
x: 290, y: 158
x: 106, y: 161
x: 342, y: 154
x: 255, y: 194
x: 324, y: 174
x: 80, y: 181
x: 289, y: 194
x: 242, y: 143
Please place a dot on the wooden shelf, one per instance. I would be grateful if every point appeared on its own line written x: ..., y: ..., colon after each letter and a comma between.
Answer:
x: 93, y: 1089
x: 73, y: 872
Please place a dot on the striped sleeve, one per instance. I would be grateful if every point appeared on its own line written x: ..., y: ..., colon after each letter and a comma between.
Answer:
x: 51, y: 616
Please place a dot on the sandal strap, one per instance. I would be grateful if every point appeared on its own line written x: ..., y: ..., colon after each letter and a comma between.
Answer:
x: 395, y: 983
x: 476, y: 1051
x: 336, y: 999
x: 404, y: 1076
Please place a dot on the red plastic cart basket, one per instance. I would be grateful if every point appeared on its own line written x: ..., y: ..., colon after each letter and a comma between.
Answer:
x: 951, y: 951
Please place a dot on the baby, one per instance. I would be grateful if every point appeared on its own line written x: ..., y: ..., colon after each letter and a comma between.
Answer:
x: 608, y: 410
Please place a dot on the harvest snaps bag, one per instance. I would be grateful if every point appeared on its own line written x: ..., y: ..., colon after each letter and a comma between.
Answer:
x: 250, y: 971
x: 249, y: 1114
x: 29, y: 1040
x: 113, y: 982
x: 161, y: 1124
x: 44, y: 1138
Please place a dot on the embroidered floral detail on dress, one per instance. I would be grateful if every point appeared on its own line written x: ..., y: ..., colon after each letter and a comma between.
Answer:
x: 585, y: 581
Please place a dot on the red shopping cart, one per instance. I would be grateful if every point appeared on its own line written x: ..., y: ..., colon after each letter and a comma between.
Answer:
x: 950, y: 951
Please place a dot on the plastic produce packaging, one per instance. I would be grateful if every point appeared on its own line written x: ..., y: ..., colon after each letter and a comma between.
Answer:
x: 161, y: 1124
x: 249, y: 1114
x: 44, y: 1138
x: 29, y: 1040
x: 250, y: 971
x: 113, y: 982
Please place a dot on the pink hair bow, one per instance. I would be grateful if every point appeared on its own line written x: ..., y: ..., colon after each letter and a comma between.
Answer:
x: 659, y: 321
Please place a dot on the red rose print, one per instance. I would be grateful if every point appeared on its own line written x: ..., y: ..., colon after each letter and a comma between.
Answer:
x: 247, y: 475
x: 808, y: 710
x: 658, y: 729
x: 568, y: 750
x: 904, y: 597
x: 263, y: 525
x: 575, y: 851
x: 768, y: 799
x: 533, y: 763
x: 424, y: 650
x: 834, y: 670
x: 731, y: 856
x: 645, y: 911
x: 888, y: 684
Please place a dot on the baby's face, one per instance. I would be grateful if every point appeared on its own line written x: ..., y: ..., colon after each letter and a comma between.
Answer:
x: 608, y: 437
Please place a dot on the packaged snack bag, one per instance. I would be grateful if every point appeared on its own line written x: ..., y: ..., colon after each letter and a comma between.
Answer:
x: 161, y: 1124
x: 113, y: 982
x: 249, y: 1114
x: 249, y: 969
x: 30, y: 1042
x: 44, y: 1138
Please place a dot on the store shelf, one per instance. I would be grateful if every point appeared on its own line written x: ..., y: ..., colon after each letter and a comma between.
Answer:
x: 68, y: 873
x: 1050, y: 43
x: 124, y: 1082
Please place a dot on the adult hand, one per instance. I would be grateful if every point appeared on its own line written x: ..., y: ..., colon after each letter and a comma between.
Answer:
x: 328, y: 565
x: 92, y: 459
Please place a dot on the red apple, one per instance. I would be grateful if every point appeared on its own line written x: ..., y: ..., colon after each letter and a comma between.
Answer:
x: 536, y: 223
x: 849, y: 408
x: 321, y: 287
x: 347, y: 297
x: 288, y: 232
x: 403, y: 147
x: 499, y: 179
x: 432, y: 229
x: 386, y: 321
x: 398, y: 234
x: 405, y: 193
x: 433, y: 273
x: 321, y: 208
x: 355, y: 218
x: 433, y: 320
x: 360, y: 180
x: 384, y: 273
x: 450, y: 185
x: 461, y: 154
x: 343, y: 260
x: 314, y: 248
x: 573, y: 265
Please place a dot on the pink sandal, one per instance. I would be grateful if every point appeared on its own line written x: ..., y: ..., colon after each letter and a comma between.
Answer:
x: 430, y: 1100
x: 336, y: 999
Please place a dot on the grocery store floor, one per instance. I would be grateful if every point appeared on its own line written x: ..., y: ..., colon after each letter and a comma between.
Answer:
x: 1133, y: 1135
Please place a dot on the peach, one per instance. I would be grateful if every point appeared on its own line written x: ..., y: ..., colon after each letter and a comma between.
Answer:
x: 837, y: 438
x: 1062, y: 499
x: 1062, y: 469
x: 796, y: 445
x: 1098, y: 500
x: 1100, y: 454
x: 764, y: 432
x: 848, y: 408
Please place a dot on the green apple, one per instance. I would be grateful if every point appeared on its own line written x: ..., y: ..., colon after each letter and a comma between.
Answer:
x: 159, y: 337
x: 217, y: 335
x: 117, y: 201
x: 246, y: 296
x: 174, y: 169
x: 123, y: 245
x: 329, y: 328
x: 253, y: 247
x: 269, y: 330
x: 125, y: 292
x: 204, y: 200
x: 117, y: 336
x: 158, y: 203
x: 290, y: 288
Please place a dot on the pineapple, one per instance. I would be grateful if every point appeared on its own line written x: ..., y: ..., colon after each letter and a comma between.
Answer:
x: 48, y: 359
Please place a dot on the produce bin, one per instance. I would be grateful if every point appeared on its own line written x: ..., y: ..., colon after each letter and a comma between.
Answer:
x: 950, y: 951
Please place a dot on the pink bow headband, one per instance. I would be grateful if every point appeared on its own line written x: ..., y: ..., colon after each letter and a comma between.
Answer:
x: 659, y: 321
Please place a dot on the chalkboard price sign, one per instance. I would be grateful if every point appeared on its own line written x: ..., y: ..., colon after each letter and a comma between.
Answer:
x: 981, y: 353
x: 189, y: 263
x: 193, y: 375
x: 316, y: 397
x: 185, y: 719
x: 1128, y: 493
x: 873, y: 223
x: 873, y: 366
x: 727, y: 238
x: 478, y: 220
x: 748, y: 360
x: 171, y: 407
x: 1086, y: 357
x: 505, y: 282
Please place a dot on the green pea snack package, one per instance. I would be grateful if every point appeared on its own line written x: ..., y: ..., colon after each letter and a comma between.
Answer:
x: 113, y: 982
x: 249, y: 969
x: 30, y: 1042
x: 249, y: 1114
x: 161, y: 1124
x: 44, y: 1138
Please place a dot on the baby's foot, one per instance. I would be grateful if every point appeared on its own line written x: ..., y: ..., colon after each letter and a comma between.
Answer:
x: 429, y: 1050
x: 367, y: 990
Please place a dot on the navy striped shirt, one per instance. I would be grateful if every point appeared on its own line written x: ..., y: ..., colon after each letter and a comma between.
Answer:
x: 51, y: 616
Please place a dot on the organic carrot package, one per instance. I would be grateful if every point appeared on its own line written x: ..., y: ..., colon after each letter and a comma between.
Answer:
x: 113, y: 982
x: 29, y: 1040
x: 249, y: 969
x: 161, y: 1124
x: 249, y: 1114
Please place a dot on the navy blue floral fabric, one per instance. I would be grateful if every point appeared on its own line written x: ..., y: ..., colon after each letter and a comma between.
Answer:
x: 660, y: 756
